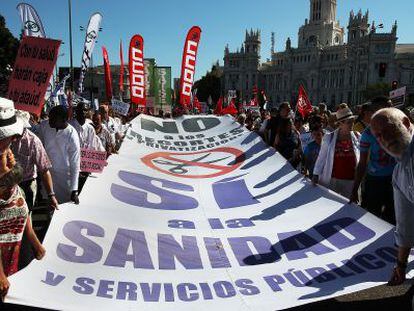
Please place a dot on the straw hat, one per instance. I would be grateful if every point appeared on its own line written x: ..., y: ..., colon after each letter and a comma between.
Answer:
x: 344, y: 114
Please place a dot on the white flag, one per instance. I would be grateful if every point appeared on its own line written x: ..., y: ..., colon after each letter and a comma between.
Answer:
x: 90, y: 38
x: 32, y: 25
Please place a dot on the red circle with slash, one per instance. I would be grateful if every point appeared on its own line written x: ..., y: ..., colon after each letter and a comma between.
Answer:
x: 239, y: 158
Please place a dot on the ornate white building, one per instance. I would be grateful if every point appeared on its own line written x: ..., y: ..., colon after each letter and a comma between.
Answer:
x: 331, y: 69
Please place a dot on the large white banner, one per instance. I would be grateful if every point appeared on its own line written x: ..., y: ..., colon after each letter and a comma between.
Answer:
x: 198, y: 214
x: 90, y: 39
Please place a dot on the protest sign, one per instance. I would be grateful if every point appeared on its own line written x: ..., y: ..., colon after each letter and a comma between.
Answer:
x: 92, y: 161
x: 398, y: 96
x: 120, y: 107
x: 32, y: 70
x: 199, y: 214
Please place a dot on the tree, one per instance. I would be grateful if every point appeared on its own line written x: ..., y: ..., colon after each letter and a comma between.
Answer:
x: 209, y: 85
x: 9, y: 46
x: 374, y: 90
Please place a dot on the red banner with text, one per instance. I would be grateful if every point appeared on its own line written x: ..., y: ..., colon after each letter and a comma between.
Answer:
x: 32, y: 70
x: 188, y: 64
x: 137, y: 71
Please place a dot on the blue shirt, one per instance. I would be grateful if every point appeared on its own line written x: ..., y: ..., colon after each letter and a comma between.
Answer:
x: 403, y: 183
x: 380, y: 163
x: 311, y: 154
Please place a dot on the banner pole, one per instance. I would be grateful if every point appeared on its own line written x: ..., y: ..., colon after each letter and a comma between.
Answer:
x: 70, y: 45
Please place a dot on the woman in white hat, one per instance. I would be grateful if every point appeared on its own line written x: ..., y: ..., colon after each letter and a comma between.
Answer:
x: 10, y: 126
x: 339, y: 156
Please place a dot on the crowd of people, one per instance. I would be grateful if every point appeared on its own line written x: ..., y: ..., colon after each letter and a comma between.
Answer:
x: 365, y: 155
x: 40, y: 164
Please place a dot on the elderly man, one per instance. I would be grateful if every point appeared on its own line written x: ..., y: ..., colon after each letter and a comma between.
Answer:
x: 32, y: 156
x: 62, y: 145
x: 395, y: 133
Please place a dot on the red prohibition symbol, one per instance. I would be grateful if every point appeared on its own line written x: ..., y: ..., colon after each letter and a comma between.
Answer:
x: 200, y: 164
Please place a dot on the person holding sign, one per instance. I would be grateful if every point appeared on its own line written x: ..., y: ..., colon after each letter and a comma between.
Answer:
x: 62, y: 145
x: 87, y: 136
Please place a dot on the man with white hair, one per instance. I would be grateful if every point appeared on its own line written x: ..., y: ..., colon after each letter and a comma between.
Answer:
x: 395, y: 133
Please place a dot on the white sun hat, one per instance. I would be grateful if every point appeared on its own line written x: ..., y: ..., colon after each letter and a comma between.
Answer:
x: 10, y: 125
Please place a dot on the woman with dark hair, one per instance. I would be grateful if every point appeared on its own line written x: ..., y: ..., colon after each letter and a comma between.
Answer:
x: 287, y: 142
x: 14, y: 219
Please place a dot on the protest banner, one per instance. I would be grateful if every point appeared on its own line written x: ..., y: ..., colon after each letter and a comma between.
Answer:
x: 32, y: 70
x: 162, y: 88
x: 91, y: 36
x: 188, y: 64
x: 199, y: 214
x: 120, y: 107
x: 92, y: 161
x: 108, y: 76
x: 398, y: 96
x: 137, y: 71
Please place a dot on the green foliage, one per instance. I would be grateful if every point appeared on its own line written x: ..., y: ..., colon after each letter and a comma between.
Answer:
x: 208, y: 85
x: 378, y: 89
x: 9, y: 46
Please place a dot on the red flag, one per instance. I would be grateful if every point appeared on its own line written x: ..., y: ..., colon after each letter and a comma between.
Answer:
x: 188, y: 64
x: 219, y: 107
x: 121, y: 71
x: 254, y: 102
x: 137, y: 71
x: 230, y: 109
x: 108, y: 79
x: 304, y: 106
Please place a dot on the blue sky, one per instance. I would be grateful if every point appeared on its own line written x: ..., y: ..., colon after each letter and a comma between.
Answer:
x: 164, y: 24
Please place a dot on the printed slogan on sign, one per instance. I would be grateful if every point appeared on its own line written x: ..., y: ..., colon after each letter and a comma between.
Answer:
x: 199, y: 214
x: 32, y: 70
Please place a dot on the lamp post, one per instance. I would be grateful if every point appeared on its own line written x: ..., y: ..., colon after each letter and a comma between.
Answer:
x: 70, y: 44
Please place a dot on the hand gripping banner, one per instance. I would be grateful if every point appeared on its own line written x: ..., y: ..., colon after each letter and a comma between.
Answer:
x: 188, y: 64
x: 137, y: 71
x: 90, y: 39
x: 108, y: 78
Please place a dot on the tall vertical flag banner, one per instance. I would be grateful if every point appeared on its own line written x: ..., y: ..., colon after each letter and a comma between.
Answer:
x: 137, y: 71
x: 121, y: 70
x: 90, y: 39
x: 163, y: 88
x: 188, y: 64
x: 304, y: 106
x: 108, y: 78
x: 32, y: 24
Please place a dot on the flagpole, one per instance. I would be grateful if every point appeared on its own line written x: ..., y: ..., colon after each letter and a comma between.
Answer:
x: 70, y: 45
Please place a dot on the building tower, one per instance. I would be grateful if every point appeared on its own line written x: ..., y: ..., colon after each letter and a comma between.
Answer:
x: 322, y: 29
x: 357, y: 27
x: 322, y: 11
x: 252, y: 42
